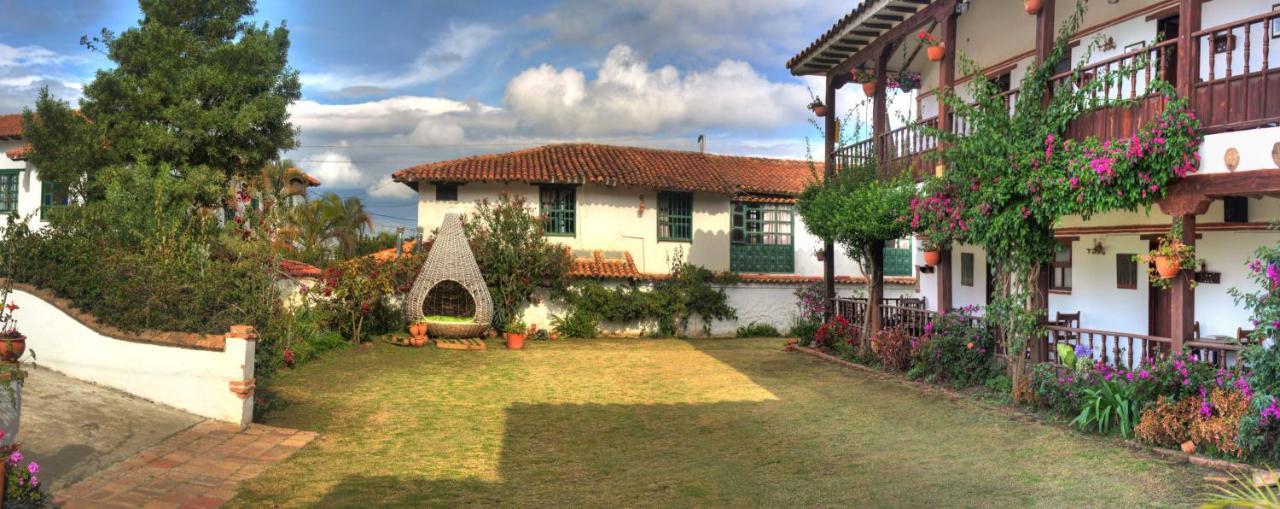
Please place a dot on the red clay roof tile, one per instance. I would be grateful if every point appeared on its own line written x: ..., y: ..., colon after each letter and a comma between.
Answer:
x: 18, y: 154
x: 11, y: 125
x: 610, y: 165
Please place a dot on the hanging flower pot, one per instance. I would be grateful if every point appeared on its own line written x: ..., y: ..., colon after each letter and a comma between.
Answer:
x: 12, y: 346
x: 1032, y: 6
x: 820, y: 254
x: 1167, y: 266
x: 935, y: 53
x: 869, y: 88
x: 932, y: 257
x: 515, y: 341
x: 818, y: 108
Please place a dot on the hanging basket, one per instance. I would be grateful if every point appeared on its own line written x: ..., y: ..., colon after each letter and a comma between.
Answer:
x: 869, y: 88
x: 1032, y: 6
x: 936, y: 53
x: 819, y: 110
x: 1167, y: 266
x: 932, y: 258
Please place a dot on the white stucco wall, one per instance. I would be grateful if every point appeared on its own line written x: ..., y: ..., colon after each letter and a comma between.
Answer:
x: 197, y: 381
x: 28, y: 184
x: 611, y: 218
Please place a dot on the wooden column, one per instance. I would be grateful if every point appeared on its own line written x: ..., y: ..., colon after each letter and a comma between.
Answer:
x: 1040, y: 345
x: 1182, y: 298
x: 1044, y: 31
x: 1188, y: 60
x: 943, y: 275
x: 828, y: 174
x: 875, y: 286
x: 946, y: 82
x: 879, y: 108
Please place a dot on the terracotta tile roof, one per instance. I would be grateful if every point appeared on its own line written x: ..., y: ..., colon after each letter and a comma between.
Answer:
x: 18, y: 154
x: 298, y: 269
x: 610, y: 165
x: 11, y: 125
x: 604, y: 264
x: 311, y: 181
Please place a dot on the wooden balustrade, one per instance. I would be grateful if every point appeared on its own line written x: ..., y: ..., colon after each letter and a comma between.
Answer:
x: 1238, y: 83
x: 1119, y: 349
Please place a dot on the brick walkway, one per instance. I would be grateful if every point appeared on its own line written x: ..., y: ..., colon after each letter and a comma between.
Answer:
x: 198, y: 468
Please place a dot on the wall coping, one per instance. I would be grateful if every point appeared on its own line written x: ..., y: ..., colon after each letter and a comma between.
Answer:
x: 188, y: 340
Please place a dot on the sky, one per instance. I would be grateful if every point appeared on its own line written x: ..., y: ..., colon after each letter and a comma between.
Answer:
x: 391, y: 84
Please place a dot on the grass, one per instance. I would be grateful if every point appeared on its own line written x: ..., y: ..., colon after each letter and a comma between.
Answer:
x: 661, y: 423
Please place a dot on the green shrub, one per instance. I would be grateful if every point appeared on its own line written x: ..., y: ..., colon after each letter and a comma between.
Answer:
x: 576, y: 324
x: 671, y: 302
x: 804, y: 329
x: 955, y: 351
x: 758, y: 330
x: 1110, y: 405
x: 514, y: 255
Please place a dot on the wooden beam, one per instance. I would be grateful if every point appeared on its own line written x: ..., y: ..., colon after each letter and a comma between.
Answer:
x: 891, y: 36
x: 1188, y: 61
x: 1193, y: 194
x: 1044, y: 39
x: 947, y: 70
x: 880, y: 106
x: 1182, y: 297
x: 943, y: 273
x: 829, y: 173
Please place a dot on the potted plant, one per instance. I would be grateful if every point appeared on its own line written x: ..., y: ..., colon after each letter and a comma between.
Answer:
x: 1032, y: 6
x: 867, y: 80
x: 932, y: 254
x: 818, y: 108
x: 906, y: 81
x: 933, y: 47
x: 820, y: 253
x: 515, y: 331
x: 1170, y: 257
x: 12, y: 342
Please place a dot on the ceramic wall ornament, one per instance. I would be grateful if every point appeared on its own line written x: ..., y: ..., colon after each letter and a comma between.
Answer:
x: 1232, y: 159
x: 1275, y: 154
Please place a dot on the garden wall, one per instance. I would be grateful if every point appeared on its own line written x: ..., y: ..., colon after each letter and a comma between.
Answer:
x: 206, y: 374
x: 764, y: 303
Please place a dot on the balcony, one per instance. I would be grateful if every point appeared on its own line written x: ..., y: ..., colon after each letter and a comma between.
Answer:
x: 1235, y: 85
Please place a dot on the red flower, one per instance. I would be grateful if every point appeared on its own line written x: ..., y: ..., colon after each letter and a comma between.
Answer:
x: 11, y: 306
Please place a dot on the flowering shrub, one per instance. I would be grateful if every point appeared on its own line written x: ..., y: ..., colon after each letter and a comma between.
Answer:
x: 954, y: 350
x: 838, y: 335
x: 809, y: 298
x: 22, y: 486
x: 514, y: 254
x: 893, y: 348
x: 1217, y: 422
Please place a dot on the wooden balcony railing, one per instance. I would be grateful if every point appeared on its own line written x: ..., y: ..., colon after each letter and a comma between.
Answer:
x: 1238, y: 84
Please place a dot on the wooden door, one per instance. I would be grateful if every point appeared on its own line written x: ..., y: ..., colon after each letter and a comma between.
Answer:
x: 1167, y: 30
x: 1160, y: 321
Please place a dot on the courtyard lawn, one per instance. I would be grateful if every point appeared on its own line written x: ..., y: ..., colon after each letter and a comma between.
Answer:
x: 711, y: 423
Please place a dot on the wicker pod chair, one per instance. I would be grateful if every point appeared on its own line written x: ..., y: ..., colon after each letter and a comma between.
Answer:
x: 450, y: 284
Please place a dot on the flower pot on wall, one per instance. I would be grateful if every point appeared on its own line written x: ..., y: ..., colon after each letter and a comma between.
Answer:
x: 1167, y: 266
x: 12, y: 347
x: 869, y: 88
x: 935, y: 53
x: 1032, y: 6
x: 820, y: 111
x: 932, y: 258
x: 514, y: 341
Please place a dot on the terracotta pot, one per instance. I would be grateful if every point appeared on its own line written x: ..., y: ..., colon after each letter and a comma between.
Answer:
x: 1032, y: 6
x: 932, y: 258
x: 820, y: 111
x: 1189, y: 447
x: 514, y: 341
x: 820, y: 255
x: 869, y: 88
x: 418, y: 329
x: 554, y: 335
x: 1167, y: 267
x: 12, y: 348
x: 935, y: 53
x: 418, y: 341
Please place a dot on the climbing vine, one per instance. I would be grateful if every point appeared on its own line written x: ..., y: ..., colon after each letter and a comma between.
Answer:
x: 1014, y: 174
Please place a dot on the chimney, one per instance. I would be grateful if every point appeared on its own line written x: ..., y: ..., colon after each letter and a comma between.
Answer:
x: 702, y: 143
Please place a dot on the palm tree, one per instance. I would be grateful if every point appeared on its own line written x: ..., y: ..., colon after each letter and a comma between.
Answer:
x: 330, y: 224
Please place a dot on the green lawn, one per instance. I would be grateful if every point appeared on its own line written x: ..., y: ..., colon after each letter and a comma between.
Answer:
x: 710, y: 423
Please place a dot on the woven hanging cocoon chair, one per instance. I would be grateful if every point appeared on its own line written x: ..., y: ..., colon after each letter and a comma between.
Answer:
x: 450, y: 284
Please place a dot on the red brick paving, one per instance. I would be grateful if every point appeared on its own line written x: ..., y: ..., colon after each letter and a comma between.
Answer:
x: 197, y: 468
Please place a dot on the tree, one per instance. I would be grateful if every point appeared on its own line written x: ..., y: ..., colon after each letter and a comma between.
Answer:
x: 329, y: 227
x: 194, y: 85
x: 861, y: 213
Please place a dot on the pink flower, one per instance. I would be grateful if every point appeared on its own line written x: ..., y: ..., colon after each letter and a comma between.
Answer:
x: 15, y: 457
x: 33, y: 467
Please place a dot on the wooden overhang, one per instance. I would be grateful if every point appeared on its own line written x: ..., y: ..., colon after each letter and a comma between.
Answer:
x: 857, y: 36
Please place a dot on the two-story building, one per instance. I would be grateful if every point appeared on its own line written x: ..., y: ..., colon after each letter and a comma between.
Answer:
x: 1221, y: 54
x: 627, y: 212
x: 21, y: 190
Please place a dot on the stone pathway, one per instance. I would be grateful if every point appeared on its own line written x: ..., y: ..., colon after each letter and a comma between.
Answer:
x: 198, y: 468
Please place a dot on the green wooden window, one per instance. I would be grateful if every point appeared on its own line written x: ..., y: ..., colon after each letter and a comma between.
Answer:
x: 897, y: 261
x: 1060, y: 277
x: 762, y: 238
x: 559, y: 205
x: 9, y: 191
x: 966, y: 269
x: 675, y: 216
x: 52, y: 195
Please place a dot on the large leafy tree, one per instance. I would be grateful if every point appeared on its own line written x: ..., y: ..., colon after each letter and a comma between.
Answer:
x: 194, y: 85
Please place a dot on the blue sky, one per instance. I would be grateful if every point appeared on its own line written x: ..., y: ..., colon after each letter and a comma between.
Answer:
x: 389, y: 84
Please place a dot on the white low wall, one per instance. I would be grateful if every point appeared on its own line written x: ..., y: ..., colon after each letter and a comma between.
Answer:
x: 201, y: 381
x: 772, y: 304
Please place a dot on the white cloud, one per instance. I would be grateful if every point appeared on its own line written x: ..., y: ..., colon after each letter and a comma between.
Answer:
x: 629, y: 97
x: 444, y: 57
x: 387, y: 188
x: 335, y: 169
x: 393, y: 115
x: 26, y: 56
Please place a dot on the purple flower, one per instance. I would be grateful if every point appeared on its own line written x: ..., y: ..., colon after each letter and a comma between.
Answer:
x: 33, y: 467
x: 1273, y: 273
x: 1206, y: 408
x: 1271, y: 412
x: 15, y: 457
x: 1083, y: 351
x: 34, y: 481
